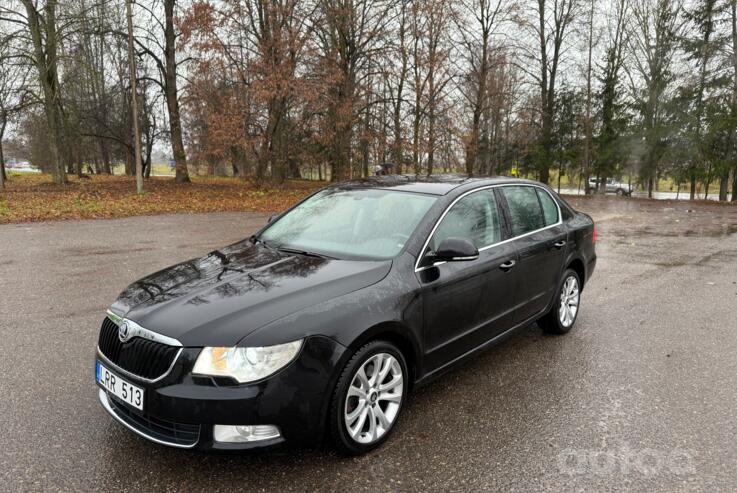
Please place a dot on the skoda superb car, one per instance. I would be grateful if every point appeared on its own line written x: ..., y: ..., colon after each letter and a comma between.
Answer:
x: 321, y: 324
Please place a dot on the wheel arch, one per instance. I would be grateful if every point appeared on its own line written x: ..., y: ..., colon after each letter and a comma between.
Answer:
x: 391, y: 331
x: 577, y: 265
x: 398, y: 334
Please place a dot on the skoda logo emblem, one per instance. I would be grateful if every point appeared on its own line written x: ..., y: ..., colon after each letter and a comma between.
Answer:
x: 123, y: 331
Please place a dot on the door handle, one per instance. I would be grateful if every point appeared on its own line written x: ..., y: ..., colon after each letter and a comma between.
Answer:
x: 507, y: 265
x: 559, y: 244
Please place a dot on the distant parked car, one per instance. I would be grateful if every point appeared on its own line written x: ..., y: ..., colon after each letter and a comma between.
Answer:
x: 613, y: 186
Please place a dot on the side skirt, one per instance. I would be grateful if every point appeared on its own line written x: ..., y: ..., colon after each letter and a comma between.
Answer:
x: 428, y: 377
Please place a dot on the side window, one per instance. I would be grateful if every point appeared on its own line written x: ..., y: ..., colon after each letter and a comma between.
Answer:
x: 550, y: 209
x: 524, y: 209
x: 474, y: 217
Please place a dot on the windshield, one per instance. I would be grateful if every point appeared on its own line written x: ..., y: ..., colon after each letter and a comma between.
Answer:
x: 370, y: 224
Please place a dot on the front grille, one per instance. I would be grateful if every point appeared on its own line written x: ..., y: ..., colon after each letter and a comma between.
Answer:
x: 170, y: 432
x: 141, y: 357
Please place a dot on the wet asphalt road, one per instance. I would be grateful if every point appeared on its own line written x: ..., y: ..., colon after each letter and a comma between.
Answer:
x: 641, y: 395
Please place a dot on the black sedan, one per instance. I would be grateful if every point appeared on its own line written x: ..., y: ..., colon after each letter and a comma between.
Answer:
x: 322, y: 323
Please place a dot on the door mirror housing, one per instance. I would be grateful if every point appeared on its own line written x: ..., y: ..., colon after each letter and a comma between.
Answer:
x: 455, y: 249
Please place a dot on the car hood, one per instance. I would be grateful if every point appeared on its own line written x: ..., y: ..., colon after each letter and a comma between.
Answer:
x: 218, y: 299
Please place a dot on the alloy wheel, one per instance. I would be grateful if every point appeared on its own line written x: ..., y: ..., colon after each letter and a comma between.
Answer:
x: 374, y: 398
x: 569, y: 299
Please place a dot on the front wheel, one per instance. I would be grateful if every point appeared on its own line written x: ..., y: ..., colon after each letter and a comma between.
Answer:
x: 563, y: 313
x: 368, y: 398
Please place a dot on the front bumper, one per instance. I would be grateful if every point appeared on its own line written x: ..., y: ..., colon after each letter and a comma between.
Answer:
x: 180, y: 410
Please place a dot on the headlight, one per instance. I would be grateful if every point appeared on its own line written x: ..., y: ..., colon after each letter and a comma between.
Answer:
x: 245, y: 364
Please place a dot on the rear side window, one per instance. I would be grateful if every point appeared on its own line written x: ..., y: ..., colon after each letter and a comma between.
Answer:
x: 524, y: 209
x: 550, y: 210
x: 475, y: 217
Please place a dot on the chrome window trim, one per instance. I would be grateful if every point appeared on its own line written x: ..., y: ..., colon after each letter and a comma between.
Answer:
x: 128, y: 374
x: 486, y: 247
x: 105, y: 404
x: 135, y: 330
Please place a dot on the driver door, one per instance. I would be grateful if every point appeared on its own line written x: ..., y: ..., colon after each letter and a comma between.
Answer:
x: 466, y: 303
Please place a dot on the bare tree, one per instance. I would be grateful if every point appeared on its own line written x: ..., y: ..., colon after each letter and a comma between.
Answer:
x: 348, y: 36
x: 439, y: 71
x: 397, y: 82
x: 733, y: 25
x: 610, y: 153
x: 134, y: 98
x: 157, y: 39
x: 476, y: 35
x: 653, y: 35
x: 550, y: 21
x: 13, y: 94
x: 40, y: 28
x: 588, y: 118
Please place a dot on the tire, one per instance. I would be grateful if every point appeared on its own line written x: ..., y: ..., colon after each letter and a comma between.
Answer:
x: 620, y: 192
x: 371, y: 426
x: 558, y: 321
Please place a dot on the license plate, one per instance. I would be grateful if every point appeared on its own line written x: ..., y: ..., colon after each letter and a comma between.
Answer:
x: 122, y: 389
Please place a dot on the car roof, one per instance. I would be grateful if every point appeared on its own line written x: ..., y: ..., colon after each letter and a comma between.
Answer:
x: 440, y: 184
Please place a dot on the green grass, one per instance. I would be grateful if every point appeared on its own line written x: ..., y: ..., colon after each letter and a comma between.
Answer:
x: 158, y: 169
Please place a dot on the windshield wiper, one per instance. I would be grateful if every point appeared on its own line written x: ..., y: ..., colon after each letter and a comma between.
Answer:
x: 303, y: 252
x: 256, y: 240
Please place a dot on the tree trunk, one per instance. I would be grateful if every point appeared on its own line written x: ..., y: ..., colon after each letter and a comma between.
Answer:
x: 693, y: 186
x: 431, y: 140
x: 473, y: 140
x: 588, y: 137
x: 3, y: 124
x: 398, y: 145
x: 724, y: 186
x: 340, y: 117
x: 2, y: 165
x: 478, y: 107
x: 431, y: 115
x: 397, y: 148
x: 147, y: 162
x: 733, y: 5
x: 128, y: 162
x: 105, y: 154
x: 79, y: 165
x: 42, y: 30
x: 704, y: 62
x: 365, y: 148
x: 172, y: 95
x: 416, y: 142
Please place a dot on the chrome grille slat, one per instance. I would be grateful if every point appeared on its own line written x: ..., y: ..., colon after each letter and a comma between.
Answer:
x: 148, y: 360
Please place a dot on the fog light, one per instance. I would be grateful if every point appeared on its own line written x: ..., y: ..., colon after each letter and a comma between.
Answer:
x: 244, y: 433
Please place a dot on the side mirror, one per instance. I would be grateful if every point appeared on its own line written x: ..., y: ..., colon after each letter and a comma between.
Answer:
x: 273, y: 217
x: 455, y: 249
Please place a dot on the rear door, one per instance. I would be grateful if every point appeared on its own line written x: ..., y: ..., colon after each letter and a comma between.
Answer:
x: 467, y: 302
x: 540, y: 238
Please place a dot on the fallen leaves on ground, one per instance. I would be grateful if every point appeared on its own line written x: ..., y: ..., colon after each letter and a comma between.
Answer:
x: 29, y: 198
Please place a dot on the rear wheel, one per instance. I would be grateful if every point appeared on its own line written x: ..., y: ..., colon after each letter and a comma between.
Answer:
x: 563, y: 313
x: 368, y: 398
